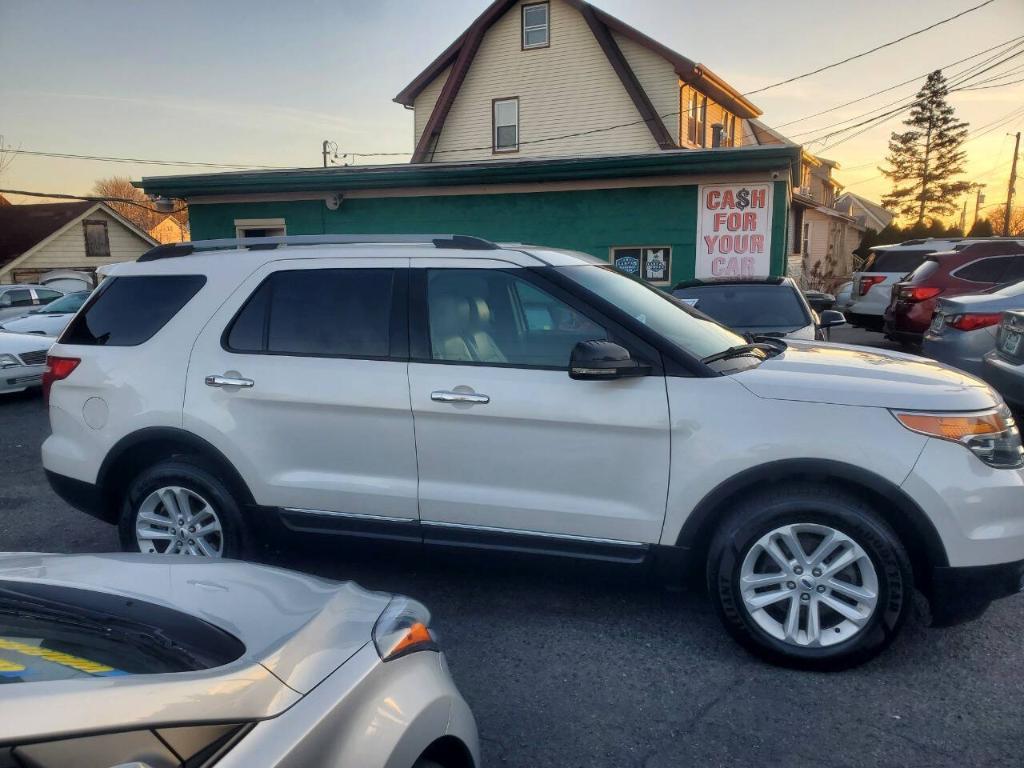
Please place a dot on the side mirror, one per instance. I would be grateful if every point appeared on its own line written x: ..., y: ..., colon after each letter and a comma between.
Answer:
x: 597, y: 359
x: 830, y: 318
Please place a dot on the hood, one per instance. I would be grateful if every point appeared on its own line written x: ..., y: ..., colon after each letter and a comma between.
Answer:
x: 36, y: 324
x: 844, y: 374
x: 300, y: 628
x: 20, y: 343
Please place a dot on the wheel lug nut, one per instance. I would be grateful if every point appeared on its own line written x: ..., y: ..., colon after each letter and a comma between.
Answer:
x: 821, y: 587
x: 805, y: 597
x: 790, y: 585
x: 816, y: 571
x: 798, y: 570
x: 191, y: 543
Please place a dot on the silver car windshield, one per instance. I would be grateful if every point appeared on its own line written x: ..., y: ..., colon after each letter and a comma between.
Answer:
x: 665, y: 315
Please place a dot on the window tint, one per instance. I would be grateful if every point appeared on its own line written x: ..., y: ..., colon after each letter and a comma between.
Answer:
x: 900, y: 261
x: 317, y: 312
x: 923, y: 272
x: 491, y: 316
x: 128, y: 311
x: 985, y: 270
x: 18, y: 298
x: 748, y: 306
x: 1015, y: 271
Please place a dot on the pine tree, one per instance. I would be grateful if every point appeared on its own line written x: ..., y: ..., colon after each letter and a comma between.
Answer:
x: 926, y: 159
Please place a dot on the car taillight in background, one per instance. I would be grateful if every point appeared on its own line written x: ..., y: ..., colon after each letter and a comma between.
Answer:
x: 914, y: 293
x: 57, y: 369
x: 868, y: 281
x: 972, y: 322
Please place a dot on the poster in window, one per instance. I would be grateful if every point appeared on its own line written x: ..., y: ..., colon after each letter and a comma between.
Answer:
x: 657, y: 267
x: 627, y: 260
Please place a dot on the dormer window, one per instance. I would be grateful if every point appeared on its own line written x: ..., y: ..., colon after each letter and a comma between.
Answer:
x: 535, y: 26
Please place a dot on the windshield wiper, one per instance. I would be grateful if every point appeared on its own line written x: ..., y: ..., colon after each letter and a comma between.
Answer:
x: 745, y: 349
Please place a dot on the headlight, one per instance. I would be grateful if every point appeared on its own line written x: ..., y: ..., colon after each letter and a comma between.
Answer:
x: 8, y: 361
x: 403, y: 628
x: 992, y: 435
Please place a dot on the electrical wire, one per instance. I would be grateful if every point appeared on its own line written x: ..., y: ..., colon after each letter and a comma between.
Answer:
x: 143, y: 161
x: 873, y: 50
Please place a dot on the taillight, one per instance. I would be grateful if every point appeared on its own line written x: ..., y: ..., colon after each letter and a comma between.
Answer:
x: 57, y: 369
x: 868, y: 281
x: 975, y: 321
x: 914, y: 293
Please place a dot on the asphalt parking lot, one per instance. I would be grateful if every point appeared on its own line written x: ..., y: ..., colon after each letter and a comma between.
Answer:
x: 568, y: 667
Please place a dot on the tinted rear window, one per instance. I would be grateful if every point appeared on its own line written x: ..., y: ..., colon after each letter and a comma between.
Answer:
x: 900, y: 261
x: 319, y: 313
x: 128, y: 311
x: 923, y: 272
x: 985, y: 270
x: 748, y: 306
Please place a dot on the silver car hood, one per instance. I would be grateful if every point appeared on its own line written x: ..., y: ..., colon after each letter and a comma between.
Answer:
x: 19, y: 343
x: 844, y: 374
x: 296, y: 629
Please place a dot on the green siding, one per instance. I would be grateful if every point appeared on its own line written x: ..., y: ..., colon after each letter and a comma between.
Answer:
x: 584, y: 220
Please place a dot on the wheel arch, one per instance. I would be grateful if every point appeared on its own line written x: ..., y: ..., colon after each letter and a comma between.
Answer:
x: 917, y: 533
x: 449, y: 752
x: 141, y: 449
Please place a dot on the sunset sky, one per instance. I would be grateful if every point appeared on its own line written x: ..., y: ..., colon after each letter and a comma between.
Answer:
x: 264, y: 83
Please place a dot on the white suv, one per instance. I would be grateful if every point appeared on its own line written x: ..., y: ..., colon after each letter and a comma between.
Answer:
x: 450, y: 391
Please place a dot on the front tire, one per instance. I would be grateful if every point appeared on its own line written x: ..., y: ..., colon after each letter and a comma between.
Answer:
x: 806, y: 577
x: 180, y: 507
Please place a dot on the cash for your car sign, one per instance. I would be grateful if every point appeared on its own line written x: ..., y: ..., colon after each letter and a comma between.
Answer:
x: 734, y: 235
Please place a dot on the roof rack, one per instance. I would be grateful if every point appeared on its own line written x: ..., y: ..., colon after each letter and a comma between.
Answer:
x: 173, y: 250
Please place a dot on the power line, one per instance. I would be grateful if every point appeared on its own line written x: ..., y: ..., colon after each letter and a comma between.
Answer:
x: 91, y: 199
x: 894, y: 87
x: 997, y: 85
x: 873, y: 50
x: 143, y: 161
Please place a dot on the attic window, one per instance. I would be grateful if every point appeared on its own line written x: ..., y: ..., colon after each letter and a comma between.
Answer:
x: 97, y: 239
x: 535, y: 26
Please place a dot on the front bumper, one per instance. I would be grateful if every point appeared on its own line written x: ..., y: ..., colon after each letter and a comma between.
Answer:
x: 961, y: 594
x: 20, y: 378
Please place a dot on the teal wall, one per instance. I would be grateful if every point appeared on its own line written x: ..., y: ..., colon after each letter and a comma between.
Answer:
x: 583, y: 220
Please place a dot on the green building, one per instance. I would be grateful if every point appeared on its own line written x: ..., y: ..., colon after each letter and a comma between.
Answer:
x: 665, y: 216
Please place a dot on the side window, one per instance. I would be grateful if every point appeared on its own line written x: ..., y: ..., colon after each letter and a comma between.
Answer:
x: 505, y: 120
x: 1015, y: 272
x: 260, y: 228
x: 18, y: 298
x: 535, y: 26
x: 491, y: 316
x: 985, y: 270
x: 45, y: 296
x: 317, y: 313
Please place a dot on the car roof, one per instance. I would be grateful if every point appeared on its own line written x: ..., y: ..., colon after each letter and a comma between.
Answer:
x: 712, y: 281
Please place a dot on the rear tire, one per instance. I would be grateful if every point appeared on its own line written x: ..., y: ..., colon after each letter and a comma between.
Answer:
x: 808, y: 577
x: 186, y: 509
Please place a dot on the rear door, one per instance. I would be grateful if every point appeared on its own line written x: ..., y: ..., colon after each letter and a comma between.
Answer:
x: 301, y: 380
x: 510, y: 448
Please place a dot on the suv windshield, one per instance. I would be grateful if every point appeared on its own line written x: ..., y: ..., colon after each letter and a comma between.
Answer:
x: 665, y: 315
x: 66, y: 304
x: 748, y: 306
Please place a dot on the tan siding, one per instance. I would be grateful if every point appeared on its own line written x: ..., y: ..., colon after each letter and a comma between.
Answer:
x: 424, y: 103
x: 68, y: 249
x: 565, y: 88
x: 744, y: 136
x: 658, y: 78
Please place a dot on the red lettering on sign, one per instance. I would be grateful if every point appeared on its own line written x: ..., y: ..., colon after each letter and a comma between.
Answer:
x: 757, y: 243
x: 710, y: 242
x: 712, y: 199
x: 757, y: 198
x: 720, y: 220
x: 749, y: 221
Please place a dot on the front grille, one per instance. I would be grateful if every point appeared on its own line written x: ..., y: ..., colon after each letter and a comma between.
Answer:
x: 34, y: 358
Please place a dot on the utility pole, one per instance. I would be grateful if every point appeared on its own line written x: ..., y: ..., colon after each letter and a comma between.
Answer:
x: 1009, y: 189
x: 977, y: 203
x: 963, y: 217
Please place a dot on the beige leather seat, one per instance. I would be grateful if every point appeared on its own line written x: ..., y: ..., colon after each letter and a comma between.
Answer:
x: 459, y: 330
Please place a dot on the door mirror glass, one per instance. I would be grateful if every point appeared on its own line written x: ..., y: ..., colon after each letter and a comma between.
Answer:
x: 830, y: 318
x: 604, y: 360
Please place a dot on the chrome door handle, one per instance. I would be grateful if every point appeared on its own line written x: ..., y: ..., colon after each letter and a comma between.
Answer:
x: 228, y: 381
x: 444, y: 396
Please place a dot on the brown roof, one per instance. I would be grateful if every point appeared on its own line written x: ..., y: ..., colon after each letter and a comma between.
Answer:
x: 22, y: 226
x: 461, y: 52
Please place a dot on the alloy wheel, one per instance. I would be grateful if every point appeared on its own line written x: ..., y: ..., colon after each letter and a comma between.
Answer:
x: 808, y: 585
x: 178, y: 521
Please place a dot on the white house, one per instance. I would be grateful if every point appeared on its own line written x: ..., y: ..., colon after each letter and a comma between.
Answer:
x: 81, y: 236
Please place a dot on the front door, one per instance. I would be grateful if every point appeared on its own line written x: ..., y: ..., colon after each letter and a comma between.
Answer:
x: 506, y: 441
x: 300, y: 379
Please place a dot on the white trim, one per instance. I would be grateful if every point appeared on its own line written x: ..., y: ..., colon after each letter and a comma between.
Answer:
x: 16, y: 262
x: 497, y: 125
x: 243, y: 224
x: 546, y: 26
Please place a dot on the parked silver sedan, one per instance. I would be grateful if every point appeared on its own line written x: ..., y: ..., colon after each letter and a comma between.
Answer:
x: 1004, y: 366
x: 964, y: 328
x: 22, y: 361
x: 172, y: 661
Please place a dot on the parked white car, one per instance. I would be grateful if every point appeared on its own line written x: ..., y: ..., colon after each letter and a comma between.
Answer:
x: 22, y: 361
x: 48, y: 320
x: 128, y: 660
x: 458, y: 393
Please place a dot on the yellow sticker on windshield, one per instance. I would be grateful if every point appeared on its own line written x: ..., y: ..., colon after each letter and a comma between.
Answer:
x: 58, y: 657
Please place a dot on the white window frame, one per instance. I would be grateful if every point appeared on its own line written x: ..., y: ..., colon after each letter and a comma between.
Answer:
x: 546, y: 26
x: 494, y: 124
x: 241, y: 225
